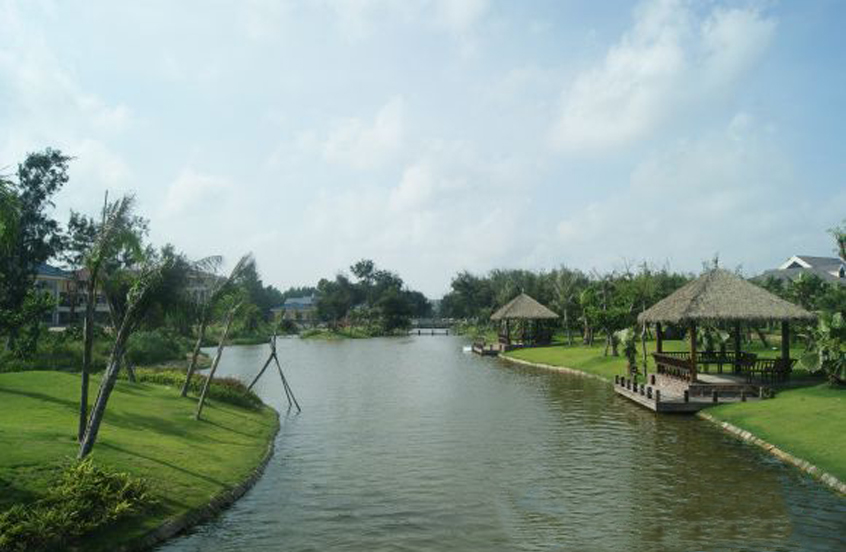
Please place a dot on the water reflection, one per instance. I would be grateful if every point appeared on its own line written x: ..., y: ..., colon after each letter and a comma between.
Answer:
x: 410, y: 444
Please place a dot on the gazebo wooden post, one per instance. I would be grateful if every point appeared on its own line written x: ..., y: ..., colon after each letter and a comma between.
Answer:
x: 785, y: 341
x: 692, y: 352
x: 737, y: 363
x: 659, y: 339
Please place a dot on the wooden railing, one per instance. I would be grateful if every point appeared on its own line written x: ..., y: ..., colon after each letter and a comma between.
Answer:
x: 675, y: 365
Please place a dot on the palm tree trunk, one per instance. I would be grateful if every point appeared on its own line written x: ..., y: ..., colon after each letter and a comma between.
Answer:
x: 87, y: 345
x: 106, y: 387
x: 201, y: 333
x: 221, y: 345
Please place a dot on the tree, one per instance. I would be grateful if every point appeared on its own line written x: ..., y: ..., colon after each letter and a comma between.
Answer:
x: 335, y: 298
x: 79, y: 240
x: 38, y: 236
x: 138, y: 299
x: 567, y: 284
x: 219, y: 288
x: 839, y: 235
x: 807, y: 290
x: 826, y: 352
x: 112, y: 235
x: 9, y: 215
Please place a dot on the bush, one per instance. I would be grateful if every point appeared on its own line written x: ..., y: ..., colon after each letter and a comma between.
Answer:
x: 228, y: 390
x: 151, y: 347
x: 86, y: 497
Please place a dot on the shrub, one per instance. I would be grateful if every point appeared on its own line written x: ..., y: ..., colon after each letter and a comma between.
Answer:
x: 228, y: 390
x: 85, y: 497
x: 150, y: 347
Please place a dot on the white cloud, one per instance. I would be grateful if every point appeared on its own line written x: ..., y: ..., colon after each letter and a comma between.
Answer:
x: 731, y: 192
x: 668, y: 63
x: 193, y: 190
x: 366, y: 145
x: 46, y: 105
x: 459, y: 16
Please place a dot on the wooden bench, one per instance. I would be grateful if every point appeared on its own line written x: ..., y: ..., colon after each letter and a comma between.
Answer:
x: 770, y: 370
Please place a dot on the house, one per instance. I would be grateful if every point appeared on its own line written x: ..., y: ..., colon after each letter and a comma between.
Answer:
x: 297, y: 309
x: 67, y: 292
x: 829, y: 269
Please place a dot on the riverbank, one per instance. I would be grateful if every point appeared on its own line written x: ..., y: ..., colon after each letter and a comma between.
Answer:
x: 805, y: 422
x: 148, y: 432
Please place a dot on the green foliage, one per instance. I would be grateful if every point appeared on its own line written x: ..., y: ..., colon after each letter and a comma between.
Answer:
x: 84, y: 498
x: 807, y: 290
x: 376, y: 301
x: 839, y: 235
x: 9, y: 215
x: 628, y: 339
x: 154, y: 346
x: 37, y: 238
x: 827, y: 350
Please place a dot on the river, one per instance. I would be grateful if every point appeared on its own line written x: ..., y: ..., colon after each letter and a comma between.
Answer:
x: 410, y: 444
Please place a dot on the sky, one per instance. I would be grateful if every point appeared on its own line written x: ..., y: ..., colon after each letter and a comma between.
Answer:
x: 435, y: 136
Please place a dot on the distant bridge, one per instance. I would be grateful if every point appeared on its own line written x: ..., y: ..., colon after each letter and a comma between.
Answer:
x: 430, y: 323
x: 430, y: 326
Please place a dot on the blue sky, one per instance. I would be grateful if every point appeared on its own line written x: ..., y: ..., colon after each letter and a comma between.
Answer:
x: 436, y: 136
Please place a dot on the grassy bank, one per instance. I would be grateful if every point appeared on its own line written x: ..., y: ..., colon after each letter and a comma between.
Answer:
x: 586, y: 359
x: 807, y: 422
x: 592, y: 360
x: 148, y: 432
x: 351, y: 332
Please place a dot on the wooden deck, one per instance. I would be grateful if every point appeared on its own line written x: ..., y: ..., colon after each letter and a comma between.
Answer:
x: 697, y: 397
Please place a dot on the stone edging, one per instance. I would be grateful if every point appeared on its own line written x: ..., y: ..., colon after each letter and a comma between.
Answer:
x: 554, y: 368
x: 215, y: 506
x: 824, y: 477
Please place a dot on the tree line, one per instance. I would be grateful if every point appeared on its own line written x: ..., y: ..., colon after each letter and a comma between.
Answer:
x: 591, y: 304
x: 373, y: 299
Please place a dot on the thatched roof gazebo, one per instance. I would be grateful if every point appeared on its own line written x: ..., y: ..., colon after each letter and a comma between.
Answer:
x: 720, y: 296
x: 525, y: 310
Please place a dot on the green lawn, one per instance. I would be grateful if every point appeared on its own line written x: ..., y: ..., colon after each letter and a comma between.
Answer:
x: 148, y: 431
x: 808, y: 422
x: 578, y: 357
x: 592, y: 360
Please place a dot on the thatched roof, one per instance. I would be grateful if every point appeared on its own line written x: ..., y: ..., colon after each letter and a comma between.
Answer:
x: 719, y: 295
x: 523, y: 307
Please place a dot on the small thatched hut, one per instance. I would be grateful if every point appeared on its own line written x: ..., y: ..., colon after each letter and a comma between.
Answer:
x: 528, y: 313
x: 720, y: 296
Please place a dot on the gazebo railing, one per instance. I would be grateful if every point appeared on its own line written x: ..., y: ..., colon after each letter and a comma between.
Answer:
x: 676, y: 365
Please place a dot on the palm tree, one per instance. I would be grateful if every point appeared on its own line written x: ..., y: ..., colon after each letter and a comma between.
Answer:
x: 220, y: 288
x: 115, y: 233
x: 567, y: 284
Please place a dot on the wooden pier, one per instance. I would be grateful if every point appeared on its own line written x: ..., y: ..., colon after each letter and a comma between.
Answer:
x: 689, y: 400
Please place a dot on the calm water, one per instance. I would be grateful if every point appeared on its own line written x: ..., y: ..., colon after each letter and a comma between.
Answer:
x: 412, y: 445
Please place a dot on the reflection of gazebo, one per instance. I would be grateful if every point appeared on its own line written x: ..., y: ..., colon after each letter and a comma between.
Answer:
x: 719, y: 296
x: 528, y: 312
